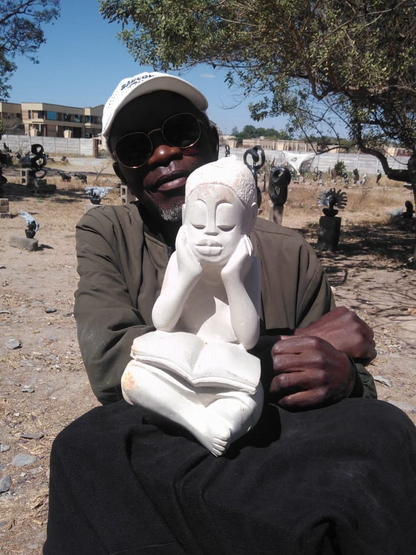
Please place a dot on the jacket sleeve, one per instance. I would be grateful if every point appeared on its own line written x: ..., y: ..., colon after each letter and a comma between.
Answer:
x: 110, y: 270
x: 295, y: 289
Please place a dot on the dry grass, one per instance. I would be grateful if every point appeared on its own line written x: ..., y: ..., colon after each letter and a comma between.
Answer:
x: 365, y: 205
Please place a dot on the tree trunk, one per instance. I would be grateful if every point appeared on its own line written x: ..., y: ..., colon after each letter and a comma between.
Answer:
x: 408, y: 175
x: 412, y: 178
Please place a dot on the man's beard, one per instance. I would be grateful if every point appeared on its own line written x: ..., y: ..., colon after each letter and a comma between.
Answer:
x: 172, y: 214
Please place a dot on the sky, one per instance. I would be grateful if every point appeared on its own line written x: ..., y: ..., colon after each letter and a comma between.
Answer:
x: 82, y: 62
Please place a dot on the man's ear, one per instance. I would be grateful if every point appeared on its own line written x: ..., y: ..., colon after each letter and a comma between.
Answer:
x: 214, y: 140
x: 119, y: 173
x: 183, y: 211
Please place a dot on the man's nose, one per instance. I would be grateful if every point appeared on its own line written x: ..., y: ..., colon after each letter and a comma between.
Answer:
x: 162, y: 153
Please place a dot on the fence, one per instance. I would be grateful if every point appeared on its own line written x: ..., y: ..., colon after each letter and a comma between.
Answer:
x: 51, y: 145
x: 365, y: 163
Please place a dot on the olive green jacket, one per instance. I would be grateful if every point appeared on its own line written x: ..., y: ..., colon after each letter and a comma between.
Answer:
x: 121, y: 267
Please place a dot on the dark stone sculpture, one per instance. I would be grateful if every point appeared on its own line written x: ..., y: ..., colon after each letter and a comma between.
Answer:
x: 330, y: 199
x: 279, y: 181
x: 409, y: 210
x: 330, y: 225
x: 258, y: 159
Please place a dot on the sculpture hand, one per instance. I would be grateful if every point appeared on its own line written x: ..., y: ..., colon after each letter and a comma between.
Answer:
x: 188, y: 263
x: 345, y: 331
x: 309, y: 373
x: 240, y: 261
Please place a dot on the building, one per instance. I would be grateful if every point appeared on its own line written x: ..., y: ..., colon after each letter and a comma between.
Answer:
x: 271, y: 144
x: 51, y: 120
x: 11, y: 115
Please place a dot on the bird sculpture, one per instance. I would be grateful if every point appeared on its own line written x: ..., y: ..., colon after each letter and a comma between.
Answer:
x: 81, y: 176
x: 97, y: 193
x: 32, y: 224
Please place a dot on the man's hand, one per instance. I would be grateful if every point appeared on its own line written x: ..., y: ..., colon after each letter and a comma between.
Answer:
x: 309, y: 373
x: 345, y: 331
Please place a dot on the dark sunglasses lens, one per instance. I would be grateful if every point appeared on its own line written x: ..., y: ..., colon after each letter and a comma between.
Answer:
x: 182, y: 130
x: 134, y: 150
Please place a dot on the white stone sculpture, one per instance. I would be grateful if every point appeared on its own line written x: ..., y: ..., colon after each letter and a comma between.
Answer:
x: 195, y: 368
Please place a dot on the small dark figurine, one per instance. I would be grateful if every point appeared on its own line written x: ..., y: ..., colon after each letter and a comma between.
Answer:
x: 409, y: 210
x: 3, y: 182
x: 81, y: 176
x: 331, y: 198
x: 356, y: 176
x: 97, y: 193
x: 32, y: 224
x: 64, y: 176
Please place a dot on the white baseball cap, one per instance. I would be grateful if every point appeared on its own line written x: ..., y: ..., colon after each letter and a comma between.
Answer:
x: 145, y: 83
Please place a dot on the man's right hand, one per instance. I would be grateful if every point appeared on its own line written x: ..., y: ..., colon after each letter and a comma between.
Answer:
x: 345, y: 331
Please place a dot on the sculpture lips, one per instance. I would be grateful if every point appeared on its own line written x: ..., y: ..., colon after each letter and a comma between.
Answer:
x: 209, y: 248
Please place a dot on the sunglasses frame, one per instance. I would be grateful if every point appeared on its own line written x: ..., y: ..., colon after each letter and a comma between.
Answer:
x: 160, y: 129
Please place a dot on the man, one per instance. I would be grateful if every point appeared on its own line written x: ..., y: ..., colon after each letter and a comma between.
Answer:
x: 324, y: 477
x: 128, y: 276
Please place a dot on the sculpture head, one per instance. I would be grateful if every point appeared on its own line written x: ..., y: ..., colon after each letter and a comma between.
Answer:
x: 220, y: 209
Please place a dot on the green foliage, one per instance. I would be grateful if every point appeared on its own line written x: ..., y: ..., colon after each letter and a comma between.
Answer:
x: 21, y: 33
x: 251, y: 132
x: 340, y: 168
x: 323, y: 63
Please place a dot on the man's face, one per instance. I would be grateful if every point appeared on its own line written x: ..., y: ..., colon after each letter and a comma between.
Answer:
x: 215, y: 220
x: 160, y: 183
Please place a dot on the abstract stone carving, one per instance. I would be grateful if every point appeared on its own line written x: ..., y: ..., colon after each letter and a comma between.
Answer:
x: 329, y: 199
x: 195, y: 369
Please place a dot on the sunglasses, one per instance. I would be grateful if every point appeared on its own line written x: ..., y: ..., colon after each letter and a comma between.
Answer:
x: 181, y: 130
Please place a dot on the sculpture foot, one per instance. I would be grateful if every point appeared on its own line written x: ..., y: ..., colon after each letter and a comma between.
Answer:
x: 216, y: 437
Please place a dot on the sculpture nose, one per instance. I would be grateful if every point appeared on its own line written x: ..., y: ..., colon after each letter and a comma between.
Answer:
x: 211, y: 227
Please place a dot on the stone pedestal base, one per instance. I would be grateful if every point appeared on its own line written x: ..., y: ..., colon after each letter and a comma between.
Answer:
x: 24, y: 243
x: 4, y: 208
x: 328, y: 233
x: 276, y: 214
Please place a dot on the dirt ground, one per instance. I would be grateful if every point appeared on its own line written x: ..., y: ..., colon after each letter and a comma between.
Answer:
x: 43, y: 384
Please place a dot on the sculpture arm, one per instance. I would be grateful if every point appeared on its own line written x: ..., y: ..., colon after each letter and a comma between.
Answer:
x: 182, y: 274
x: 241, y: 278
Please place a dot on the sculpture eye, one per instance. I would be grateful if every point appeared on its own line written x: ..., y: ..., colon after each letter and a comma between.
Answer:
x: 198, y: 226
x: 225, y: 227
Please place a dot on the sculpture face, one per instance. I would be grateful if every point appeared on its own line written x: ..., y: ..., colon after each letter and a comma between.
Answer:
x: 215, y: 220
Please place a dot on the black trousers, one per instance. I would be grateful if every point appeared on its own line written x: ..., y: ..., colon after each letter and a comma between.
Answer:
x: 337, y: 480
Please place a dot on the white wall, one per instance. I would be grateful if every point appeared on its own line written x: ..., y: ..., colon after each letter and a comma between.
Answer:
x: 51, y: 145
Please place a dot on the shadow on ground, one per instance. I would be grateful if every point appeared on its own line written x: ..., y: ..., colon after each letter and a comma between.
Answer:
x: 374, y: 246
x: 16, y: 193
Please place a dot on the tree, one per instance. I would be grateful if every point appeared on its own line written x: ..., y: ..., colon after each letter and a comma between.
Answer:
x: 311, y: 60
x: 251, y: 132
x: 21, y: 33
